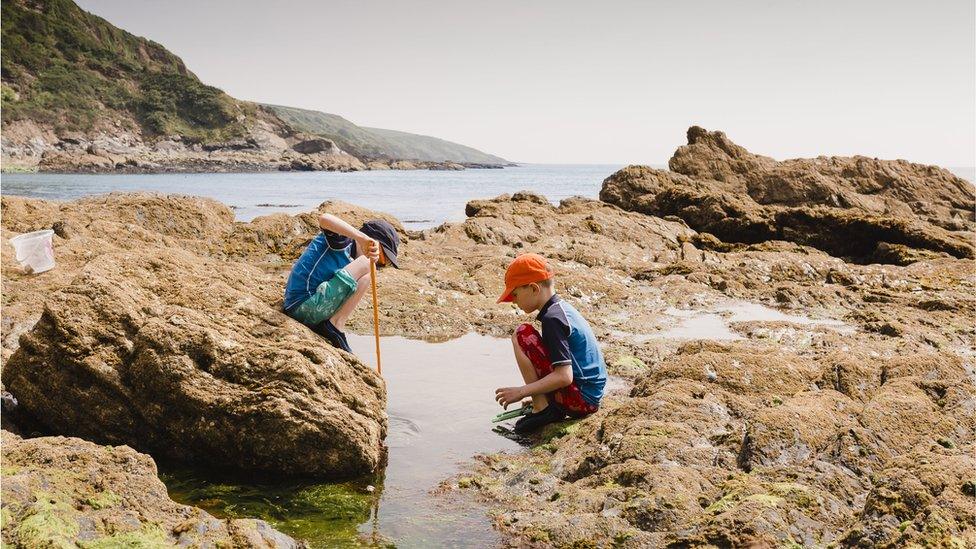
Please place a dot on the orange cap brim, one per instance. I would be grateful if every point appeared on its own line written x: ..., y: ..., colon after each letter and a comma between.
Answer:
x: 506, y: 296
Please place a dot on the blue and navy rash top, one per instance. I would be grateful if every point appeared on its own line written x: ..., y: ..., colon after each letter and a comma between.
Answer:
x: 569, y: 339
x: 326, y: 253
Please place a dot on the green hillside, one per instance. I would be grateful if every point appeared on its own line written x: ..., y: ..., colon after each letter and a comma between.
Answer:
x: 68, y: 70
x: 350, y: 137
x: 425, y: 147
x: 65, y: 68
x: 380, y: 143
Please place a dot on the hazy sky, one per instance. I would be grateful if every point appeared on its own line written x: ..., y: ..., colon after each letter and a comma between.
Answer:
x: 593, y: 82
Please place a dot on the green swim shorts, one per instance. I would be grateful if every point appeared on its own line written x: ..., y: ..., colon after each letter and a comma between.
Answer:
x: 328, y: 297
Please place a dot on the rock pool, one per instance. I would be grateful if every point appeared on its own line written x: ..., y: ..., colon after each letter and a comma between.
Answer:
x: 440, y: 408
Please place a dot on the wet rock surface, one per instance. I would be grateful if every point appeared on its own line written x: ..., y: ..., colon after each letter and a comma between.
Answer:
x: 59, y: 492
x: 836, y: 409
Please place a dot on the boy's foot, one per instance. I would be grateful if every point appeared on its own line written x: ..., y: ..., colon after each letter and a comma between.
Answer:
x: 332, y: 334
x: 531, y: 422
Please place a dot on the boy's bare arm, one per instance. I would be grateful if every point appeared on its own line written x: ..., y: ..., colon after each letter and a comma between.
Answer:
x: 364, y: 243
x: 560, y: 377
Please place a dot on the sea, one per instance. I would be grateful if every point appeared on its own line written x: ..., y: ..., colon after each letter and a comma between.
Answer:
x: 418, y: 198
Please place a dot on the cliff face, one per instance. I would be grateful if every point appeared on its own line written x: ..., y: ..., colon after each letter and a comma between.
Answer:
x: 81, y: 95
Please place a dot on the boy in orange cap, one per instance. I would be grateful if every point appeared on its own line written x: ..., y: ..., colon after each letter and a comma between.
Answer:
x: 563, y: 366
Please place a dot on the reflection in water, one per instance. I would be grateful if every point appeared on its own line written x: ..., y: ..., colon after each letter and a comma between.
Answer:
x: 440, y: 406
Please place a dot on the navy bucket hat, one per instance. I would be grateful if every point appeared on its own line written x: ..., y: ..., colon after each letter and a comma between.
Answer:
x: 384, y: 233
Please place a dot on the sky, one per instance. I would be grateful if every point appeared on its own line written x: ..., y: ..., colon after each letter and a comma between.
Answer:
x: 613, y: 82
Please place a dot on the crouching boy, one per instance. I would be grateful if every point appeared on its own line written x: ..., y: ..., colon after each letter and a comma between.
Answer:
x: 563, y: 367
x: 332, y: 274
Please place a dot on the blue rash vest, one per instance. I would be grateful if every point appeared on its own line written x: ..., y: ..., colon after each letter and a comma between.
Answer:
x: 570, y: 340
x: 326, y: 253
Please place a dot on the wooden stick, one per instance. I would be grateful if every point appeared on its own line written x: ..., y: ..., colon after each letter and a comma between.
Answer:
x: 376, y: 315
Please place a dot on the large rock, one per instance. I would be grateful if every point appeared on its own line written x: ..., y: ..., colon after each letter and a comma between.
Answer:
x: 923, y: 499
x: 317, y: 145
x: 63, y: 492
x: 885, y: 187
x: 181, y: 356
x: 867, y: 210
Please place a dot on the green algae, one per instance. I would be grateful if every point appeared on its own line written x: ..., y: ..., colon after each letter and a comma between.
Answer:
x: 323, y: 514
x: 628, y: 365
x: 49, y: 523
x: 10, y: 470
x: 768, y: 500
x: 150, y: 536
x: 557, y: 430
x: 104, y: 500
x: 798, y: 494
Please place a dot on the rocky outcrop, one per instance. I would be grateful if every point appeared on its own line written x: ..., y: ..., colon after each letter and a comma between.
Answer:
x: 59, y: 492
x: 796, y: 433
x: 753, y: 453
x: 883, y: 187
x: 856, y: 208
x: 149, y: 336
x: 176, y: 355
x: 316, y: 145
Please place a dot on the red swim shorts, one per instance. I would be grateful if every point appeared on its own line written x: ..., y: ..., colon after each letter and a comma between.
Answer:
x: 569, y: 398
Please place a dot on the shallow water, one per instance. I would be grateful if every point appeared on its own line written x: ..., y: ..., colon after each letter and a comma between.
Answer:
x: 418, y: 198
x: 440, y: 404
x: 715, y: 323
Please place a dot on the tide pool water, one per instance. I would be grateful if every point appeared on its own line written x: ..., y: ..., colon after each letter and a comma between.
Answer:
x: 440, y: 406
x: 419, y: 198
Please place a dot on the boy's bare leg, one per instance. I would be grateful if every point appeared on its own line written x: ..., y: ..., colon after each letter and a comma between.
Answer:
x: 539, y: 402
x: 359, y: 271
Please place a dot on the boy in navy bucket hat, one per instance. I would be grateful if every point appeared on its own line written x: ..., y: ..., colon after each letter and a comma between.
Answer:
x: 332, y: 274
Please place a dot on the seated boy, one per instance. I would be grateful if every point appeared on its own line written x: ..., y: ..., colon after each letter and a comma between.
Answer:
x: 563, y: 367
x: 332, y: 274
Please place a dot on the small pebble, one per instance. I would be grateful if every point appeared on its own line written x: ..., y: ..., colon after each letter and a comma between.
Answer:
x: 370, y: 488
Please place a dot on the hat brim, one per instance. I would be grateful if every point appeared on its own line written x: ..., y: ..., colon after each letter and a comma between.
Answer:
x: 390, y: 256
x: 507, y: 296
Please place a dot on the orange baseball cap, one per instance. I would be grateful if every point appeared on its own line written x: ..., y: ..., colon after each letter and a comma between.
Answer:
x: 524, y: 269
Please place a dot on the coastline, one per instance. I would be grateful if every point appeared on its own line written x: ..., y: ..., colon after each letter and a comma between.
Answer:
x: 870, y: 350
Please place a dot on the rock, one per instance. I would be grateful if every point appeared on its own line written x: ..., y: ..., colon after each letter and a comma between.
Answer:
x: 403, y: 165
x: 445, y: 166
x: 180, y: 356
x: 267, y: 137
x: 900, y: 254
x: 741, y: 370
x: 73, y: 137
x: 302, y: 165
x: 719, y: 187
x: 797, y: 431
x: 59, y: 492
x: 923, y: 499
x: 232, y: 145
x: 56, y: 161
x: 317, y: 145
x: 884, y: 187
